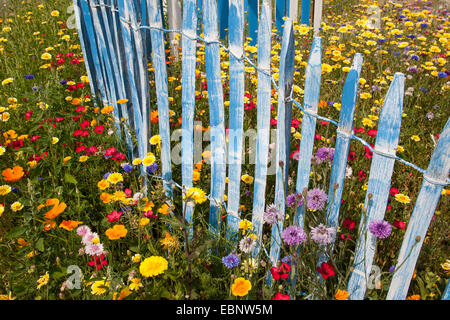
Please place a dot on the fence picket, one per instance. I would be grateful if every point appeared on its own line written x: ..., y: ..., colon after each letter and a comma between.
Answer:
x: 378, y: 186
x: 263, y: 120
x: 285, y: 86
x: 236, y: 118
x: 126, y: 12
x: 311, y: 106
x: 446, y: 294
x: 342, y: 147
x: 222, y: 7
x: 216, y: 112
x: 434, y: 180
x: 162, y: 92
x: 280, y: 13
x: 189, y: 47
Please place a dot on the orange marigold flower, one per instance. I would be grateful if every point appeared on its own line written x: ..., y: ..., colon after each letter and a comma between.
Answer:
x: 57, y: 209
x: 116, y: 232
x: 341, y: 295
x: 414, y: 297
x: 49, y: 224
x: 13, y: 174
x: 69, y: 225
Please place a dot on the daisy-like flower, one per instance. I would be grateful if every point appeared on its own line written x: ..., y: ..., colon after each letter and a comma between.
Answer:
x: 316, y: 199
x: 230, y: 261
x: 43, y: 280
x: 272, y: 215
x: 247, y: 244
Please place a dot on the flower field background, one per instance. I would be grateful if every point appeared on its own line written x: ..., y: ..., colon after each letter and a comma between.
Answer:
x: 77, y: 220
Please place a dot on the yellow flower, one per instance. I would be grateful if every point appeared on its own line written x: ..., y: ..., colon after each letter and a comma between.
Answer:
x: 326, y: 68
x: 169, y: 242
x: 196, y: 194
x: 136, y: 258
x: 43, y: 280
x: 149, y: 159
x: 415, y: 138
x: 2, y: 150
x: 2, y: 209
x: 7, y: 297
x: 247, y: 179
x: 115, y: 178
x: 120, y: 101
x: 54, y: 13
x: 135, y: 284
x: 100, y: 287
x: 16, y: 206
x: 241, y: 287
x: 7, y: 81
x: 137, y: 162
x: 153, y: 266
x: 83, y: 158
x: 165, y: 209
x: 155, y: 140
x: 5, y: 116
x: 245, y: 225
x: 66, y: 159
x: 46, y: 56
x: 55, y: 140
x: 446, y: 266
x: 4, y: 190
x: 144, y: 221
x: 341, y: 295
x: 402, y: 198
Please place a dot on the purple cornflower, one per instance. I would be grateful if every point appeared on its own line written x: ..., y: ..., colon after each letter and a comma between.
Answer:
x: 127, y: 167
x: 323, y: 235
x: 272, y: 215
x: 316, y: 199
x: 29, y: 77
x: 230, y: 261
x: 293, y: 235
x: 294, y: 200
x: 151, y: 169
x: 380, y: 229
x: 324, y: 154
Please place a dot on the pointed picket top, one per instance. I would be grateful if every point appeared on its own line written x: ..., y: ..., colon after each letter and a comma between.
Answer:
x: 435, y: 178
x: 189, y: 47
x: 378, y: 187
x: 285, y: 85
x: 310, y: 105
x: 263, y: 121
x: 216, y: 114
x: 236, y: 116
x: 344, y: 132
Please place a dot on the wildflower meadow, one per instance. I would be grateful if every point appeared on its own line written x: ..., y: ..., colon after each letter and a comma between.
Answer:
x: 81, y: 219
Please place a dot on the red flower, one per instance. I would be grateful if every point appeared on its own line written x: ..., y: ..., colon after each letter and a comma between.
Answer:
x: 85, y: 124
x: 360, y: 130
x: 362, y: 175
x: 368, y: 154
x: 110, y: 151
x: 99, y: 129
x: 282, y: 272
x: 393, y: 191
x: 317, y: 136
x: 280, y: 296
x: 372, y: 133
x: 349, y: 224
x: 351, y: 155
x: 114, y: 216
x: 98, y: 262
x: 28, y: 114
x: 326, y: 270
x: 399, y: 224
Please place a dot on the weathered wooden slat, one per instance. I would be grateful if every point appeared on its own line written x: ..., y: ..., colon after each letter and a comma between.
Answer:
x: 378, y: 186
x: 446, y: 294
x: 162, y: 92
x: 236, y: 118
x: 85, y: 48
x: 317, y: 16
x: 293, y: 9
x: 126, y: 13
x: 216, y: 113
x: 252, y: 9
x: 110, y: 81
x: 85, y: 17
x: 342, y: 147
x: 263, y: 121
x: 111, y: 43
x: 310, y: 105
x: 285, y: 85
x: 306, y: 11
x: 189, y: 47
x: 434, y: 180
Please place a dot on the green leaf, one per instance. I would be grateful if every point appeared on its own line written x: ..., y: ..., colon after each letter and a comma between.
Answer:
x: 17, y: 232
x: 40, y: 245
x: 70, y: 178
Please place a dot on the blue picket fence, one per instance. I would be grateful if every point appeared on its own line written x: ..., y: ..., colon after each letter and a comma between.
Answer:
x: 115, y: 35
